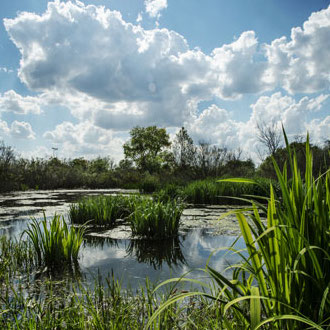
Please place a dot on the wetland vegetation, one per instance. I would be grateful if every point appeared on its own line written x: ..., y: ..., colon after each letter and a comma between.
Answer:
x: 281, y: 281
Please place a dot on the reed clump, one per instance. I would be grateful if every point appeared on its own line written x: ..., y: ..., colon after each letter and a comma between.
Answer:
x: 55, y: 243
x: 147, y: 217
x: 155, y: 219
x: 283, y: 280
x: 102, y: 210
x: 209, y: 191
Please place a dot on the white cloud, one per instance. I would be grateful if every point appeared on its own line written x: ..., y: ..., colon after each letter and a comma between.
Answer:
x: 237, y: 69
x: 221, y: 129
x: 319, y: 130
x: 4, y: 130
x: 5, y: 69
x: 85, y: 139
x: 10, y: 101
x: 113, y: 75
x: 302, y: 64
x: 21, y: 130
x: 139, y: 18
x: 129, y: 76
x: 154, y: 7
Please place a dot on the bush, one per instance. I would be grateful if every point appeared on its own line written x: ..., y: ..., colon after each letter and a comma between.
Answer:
x: 149, y: 184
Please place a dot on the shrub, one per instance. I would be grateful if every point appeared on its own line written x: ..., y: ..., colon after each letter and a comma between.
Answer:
x: 149, y: 184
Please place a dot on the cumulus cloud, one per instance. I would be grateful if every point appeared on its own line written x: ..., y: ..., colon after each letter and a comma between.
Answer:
x: 113, y: 75
x: 85, y: 139
x: 127, y: 75
x: 21, y: 130
x: 279, y: 109
x: 302, y: 64
x: 10, y: 101
x: 154, y: 7
x: 237, y: 69
x: 4, y: 130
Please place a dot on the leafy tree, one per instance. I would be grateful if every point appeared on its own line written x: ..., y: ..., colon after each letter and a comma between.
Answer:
x: 321, y: 160
x: 7, y: 159
x: 183, y: 150
x: 147, y: 148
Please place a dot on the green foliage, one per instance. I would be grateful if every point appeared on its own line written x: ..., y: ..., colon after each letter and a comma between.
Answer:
x: 183, y: 150
x: 149, y: 184
x: 321, y: 160
x: 55, y: 244
x: 210, y: 192
x: 147, y: 148
x: 102, y: 210
x: 170, y: 191
x: 156, y: 219
x: 147, y: 217
x: 283, y: 280
x: 15, y: 257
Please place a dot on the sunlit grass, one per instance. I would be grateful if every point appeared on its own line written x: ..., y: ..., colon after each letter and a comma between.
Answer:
x: 102, y: 210
x: 147, y: 217
x: 54, y: 242
x: 283, y: 282
x: 156, y: 219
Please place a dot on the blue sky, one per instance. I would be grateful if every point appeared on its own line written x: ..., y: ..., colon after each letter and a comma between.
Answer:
x: 79, y: 75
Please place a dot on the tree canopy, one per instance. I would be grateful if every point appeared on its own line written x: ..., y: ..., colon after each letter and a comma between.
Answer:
x: 148, y: 148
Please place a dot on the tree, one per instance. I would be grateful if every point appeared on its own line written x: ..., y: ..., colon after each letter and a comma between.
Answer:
x: 270, y: 136
x: 147, y: 148
x: 183, y: 150
x: 209, y: 159
x: 7, y: 158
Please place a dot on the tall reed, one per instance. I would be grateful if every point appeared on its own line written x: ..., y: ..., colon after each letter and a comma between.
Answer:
x: 101, y: 210
x: 55, y: 243
x: 156, y: 219
x: 284, y: 281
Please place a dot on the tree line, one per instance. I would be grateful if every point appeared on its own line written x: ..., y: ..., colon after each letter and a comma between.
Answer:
x: 151, y: 160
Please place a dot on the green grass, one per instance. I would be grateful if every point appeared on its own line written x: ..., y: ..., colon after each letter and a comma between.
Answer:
x: 209, y: 191
x: 147, y: 217
x: 156, y: 219
x: 55, y: 243
x: 102, y: 210
x: 284, y: 280
x: 15, y: 257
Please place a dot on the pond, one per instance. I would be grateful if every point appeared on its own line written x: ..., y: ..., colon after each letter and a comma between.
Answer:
x: 132, y: 261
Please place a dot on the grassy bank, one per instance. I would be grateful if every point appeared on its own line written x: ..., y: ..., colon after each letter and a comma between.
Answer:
x: 210, y: 191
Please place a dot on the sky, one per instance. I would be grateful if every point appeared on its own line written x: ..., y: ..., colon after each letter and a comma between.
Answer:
x: 78, y: 75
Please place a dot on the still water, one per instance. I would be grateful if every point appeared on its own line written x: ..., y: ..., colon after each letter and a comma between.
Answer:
x: 131, y: 261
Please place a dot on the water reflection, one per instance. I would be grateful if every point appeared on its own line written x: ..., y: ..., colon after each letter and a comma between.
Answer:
x: 129, y: 261
x: 156, y: 253
x: 132, y: 262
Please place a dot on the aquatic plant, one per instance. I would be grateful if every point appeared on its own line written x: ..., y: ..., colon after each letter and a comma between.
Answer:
x: 225, y: 192
x: 55, y: 243
x: 283, y: 281
x: 147, y: 217
x: 156, y: 219
x: 15, y: 256
x: 101, y: 210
